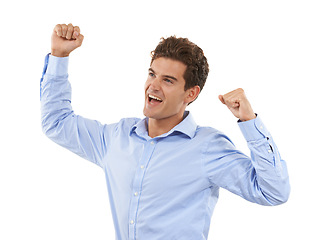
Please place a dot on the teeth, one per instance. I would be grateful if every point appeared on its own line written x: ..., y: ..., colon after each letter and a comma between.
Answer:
x: 151, y: 96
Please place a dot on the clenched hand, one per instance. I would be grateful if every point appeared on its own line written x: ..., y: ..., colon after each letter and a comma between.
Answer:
x: 238, y: 104
x: 65, y: 39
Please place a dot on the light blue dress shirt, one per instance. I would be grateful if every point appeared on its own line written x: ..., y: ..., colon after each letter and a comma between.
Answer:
x: 163, y: 188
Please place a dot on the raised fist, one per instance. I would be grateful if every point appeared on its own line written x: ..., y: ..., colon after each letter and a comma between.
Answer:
x: 65, y: 39
x: 238, y: 104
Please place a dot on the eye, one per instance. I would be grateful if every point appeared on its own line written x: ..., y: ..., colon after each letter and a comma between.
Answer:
x: 151, y: 74
x: 168, y: 80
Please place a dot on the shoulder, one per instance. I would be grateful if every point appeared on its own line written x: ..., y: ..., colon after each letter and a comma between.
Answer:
x: 128, y: 122
x: 125, y: 125
x: 209, y: 132
x: 210, y: 135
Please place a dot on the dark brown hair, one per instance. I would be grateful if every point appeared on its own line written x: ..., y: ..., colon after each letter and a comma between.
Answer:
x: 191, y: 55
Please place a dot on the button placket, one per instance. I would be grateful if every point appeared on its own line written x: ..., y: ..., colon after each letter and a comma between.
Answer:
x: 137, y: 185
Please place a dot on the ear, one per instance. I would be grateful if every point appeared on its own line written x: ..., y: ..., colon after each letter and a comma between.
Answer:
x: 191, y: 94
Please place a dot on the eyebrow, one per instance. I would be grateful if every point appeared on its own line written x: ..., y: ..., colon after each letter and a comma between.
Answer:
x: 166, y: 76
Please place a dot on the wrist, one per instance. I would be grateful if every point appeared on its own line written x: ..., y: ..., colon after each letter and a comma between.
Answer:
x: 57, y: 53
x: 248, y: 118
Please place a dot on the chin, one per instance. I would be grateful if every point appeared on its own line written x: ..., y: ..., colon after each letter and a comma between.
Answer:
x: 149, y: 114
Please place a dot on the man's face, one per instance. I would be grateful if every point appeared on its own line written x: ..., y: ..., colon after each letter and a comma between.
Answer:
x: 165, y: 97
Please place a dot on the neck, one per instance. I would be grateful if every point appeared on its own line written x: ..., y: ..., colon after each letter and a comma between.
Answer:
x: 157, y: 127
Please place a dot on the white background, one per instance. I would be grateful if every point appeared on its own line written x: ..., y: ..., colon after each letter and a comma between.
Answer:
x: 275, y: 50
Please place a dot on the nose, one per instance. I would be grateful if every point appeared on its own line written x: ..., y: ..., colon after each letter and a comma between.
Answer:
x: 154, y: 84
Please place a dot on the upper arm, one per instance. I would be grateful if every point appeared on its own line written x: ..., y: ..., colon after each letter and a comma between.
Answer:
x: 254, y: 179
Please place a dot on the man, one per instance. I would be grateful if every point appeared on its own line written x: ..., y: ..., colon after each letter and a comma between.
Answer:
x: 164, y: 172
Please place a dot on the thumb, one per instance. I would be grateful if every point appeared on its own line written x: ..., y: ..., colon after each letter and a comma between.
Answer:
x: 79, y: 38
x: 221, y: 98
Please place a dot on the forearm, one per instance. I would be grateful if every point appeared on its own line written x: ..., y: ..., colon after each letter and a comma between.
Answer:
x: 55, y: 94
x: 271, y: 171
x: 82, y: 136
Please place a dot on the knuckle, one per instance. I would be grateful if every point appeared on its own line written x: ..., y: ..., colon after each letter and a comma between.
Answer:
x: 70, y: 27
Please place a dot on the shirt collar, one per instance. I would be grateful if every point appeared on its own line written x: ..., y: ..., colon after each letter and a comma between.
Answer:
x: 187, y: 127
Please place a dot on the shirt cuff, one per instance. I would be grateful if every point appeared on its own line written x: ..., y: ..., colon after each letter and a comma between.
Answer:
x: 57, y: 66
x: 253, y: 129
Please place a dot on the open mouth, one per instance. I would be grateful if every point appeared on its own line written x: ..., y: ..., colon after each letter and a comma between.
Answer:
x: 154, y: 99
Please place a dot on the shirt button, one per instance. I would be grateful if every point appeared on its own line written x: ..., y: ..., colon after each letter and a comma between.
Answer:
x: 269, y: 151
x: 142, y: 166
x: 152, y: 142
x: 131, y: 222
x: 135, y: 194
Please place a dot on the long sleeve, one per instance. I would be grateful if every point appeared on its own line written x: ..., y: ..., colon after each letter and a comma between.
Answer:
x: 80, y: 135
x: 261, y: 178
